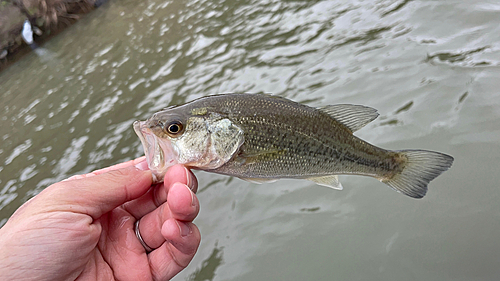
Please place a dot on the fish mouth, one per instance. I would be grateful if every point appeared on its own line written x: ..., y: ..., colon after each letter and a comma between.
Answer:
x: 158, y: 153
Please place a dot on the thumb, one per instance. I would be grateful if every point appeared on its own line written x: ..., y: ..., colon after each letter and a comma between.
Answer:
x: 101, y: 193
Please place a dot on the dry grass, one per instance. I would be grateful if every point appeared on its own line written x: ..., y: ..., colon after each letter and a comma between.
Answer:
x: 51, y: 12
x: 50, y: 15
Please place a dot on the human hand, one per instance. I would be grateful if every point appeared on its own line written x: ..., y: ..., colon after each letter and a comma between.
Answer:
x: 83, y: 228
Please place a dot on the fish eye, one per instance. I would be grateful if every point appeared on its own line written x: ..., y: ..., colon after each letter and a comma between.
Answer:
x: 174, y: 128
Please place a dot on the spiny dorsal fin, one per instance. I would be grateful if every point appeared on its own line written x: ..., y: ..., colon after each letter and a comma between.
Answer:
x: 331, y: 181
x: 352, y: 116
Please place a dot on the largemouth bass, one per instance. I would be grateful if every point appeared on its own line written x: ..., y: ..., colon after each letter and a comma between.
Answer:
x: 262, y: 138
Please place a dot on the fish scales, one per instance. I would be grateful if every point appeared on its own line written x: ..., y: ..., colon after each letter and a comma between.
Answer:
x: 296, y: 138
x: 260, y: 137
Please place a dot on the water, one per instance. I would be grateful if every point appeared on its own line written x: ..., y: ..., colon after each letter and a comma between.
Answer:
x: 431, y: 68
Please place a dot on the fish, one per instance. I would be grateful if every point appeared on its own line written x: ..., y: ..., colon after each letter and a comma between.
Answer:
x: 262, y: 138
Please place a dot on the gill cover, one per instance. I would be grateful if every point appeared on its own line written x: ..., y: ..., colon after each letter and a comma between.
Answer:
x: 208, y: 142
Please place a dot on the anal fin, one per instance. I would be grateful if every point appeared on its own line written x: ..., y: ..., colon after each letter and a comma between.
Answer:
x: 331, y: 181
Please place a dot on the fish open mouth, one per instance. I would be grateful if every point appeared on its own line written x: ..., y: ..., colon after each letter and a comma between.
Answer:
x: 153, y: 150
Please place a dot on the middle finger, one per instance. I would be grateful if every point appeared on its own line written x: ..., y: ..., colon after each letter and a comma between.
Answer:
x: 157, y: 194
x: 182, y: 205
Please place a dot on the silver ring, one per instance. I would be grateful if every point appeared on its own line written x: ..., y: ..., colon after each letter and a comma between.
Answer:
x: 138, y: 234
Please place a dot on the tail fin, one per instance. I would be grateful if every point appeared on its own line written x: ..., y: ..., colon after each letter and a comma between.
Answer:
x: 422, y: 167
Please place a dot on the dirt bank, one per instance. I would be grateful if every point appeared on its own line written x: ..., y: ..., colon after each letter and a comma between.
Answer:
x: 46, y: 16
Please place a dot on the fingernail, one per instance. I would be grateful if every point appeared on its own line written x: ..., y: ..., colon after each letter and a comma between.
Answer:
x: 192, y: 195
x: 143, y: 165
x: 188, y: 178
x: 183, y: 228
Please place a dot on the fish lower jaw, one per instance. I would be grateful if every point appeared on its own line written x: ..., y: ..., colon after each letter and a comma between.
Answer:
x: 157, y: 162
x: 155, y: 155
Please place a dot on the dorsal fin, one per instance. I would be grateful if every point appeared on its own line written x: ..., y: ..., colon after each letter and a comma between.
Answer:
x: 352, y: 116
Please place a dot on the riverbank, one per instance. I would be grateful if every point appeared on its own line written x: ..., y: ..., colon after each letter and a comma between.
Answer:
x: 47, y: 17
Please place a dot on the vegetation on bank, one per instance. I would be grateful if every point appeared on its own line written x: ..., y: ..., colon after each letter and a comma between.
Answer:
x: 48, y: 15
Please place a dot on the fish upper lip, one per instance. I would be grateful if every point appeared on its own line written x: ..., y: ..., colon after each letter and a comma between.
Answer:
x: 138, y: 130
x: 151, y: 146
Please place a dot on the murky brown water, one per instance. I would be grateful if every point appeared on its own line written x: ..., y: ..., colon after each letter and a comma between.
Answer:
x: 431, y: 68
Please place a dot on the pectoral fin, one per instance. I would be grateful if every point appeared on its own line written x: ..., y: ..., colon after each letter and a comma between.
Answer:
x: 246, y: 157
x: 328, y: 181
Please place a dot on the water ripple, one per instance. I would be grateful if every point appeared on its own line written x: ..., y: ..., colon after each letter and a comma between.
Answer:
x: 18, y: 150
x: 429, y: 67
x: 463, y: 58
